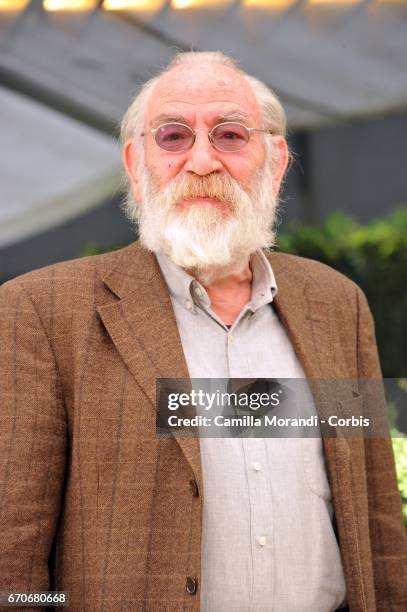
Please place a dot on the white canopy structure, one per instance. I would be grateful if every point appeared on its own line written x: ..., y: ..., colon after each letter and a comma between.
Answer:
x: 53, y: 167
x: 67, y: 79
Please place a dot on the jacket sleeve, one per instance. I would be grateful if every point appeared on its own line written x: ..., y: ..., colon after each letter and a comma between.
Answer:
x: 387, y: 534
x: 32, y: 444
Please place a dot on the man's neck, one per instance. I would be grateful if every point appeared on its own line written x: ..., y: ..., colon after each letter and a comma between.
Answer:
x: 230, y: 294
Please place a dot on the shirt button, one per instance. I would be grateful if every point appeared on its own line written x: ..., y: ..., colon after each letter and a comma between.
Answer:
x: 188, y: 305
x: 256, y: 466
x: 262, y: 540
x: 191, y: 585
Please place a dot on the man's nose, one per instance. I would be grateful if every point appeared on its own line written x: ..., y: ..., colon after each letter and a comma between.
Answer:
x: 202, y: 157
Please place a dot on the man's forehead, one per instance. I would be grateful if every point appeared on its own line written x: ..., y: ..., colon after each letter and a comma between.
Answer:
x: 215, y: 88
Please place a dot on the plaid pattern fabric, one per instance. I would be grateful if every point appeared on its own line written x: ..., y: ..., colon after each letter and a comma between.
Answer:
x: 91, y: 502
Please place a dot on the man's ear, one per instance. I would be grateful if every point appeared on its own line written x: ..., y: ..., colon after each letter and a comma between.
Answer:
x: 130, y: 161
x: 280, y: 161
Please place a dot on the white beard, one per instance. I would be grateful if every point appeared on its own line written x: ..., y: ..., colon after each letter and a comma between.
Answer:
x: 205, y: 240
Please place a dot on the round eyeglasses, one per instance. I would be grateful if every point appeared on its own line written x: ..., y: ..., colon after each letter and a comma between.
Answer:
x: 228, y: 136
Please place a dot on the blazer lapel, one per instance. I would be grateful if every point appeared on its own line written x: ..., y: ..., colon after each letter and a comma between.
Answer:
x: 304, y: 311
x: 142, y: 325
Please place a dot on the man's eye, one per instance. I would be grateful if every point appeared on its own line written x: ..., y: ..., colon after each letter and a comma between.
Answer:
x: 231, y: 136
x: 174, y: 136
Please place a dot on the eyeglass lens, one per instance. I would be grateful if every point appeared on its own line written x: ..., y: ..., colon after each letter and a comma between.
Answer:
x: 224, y: 137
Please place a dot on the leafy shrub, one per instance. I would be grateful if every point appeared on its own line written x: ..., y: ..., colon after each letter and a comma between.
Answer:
x: 91, y: 248
x: 375, y: 257
x: 400, y: 455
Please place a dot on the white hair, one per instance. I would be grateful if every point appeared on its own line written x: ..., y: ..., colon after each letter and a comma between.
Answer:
x: 273, y: 114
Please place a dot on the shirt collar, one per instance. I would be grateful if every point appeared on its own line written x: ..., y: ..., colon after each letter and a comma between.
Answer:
x: 187, y: 291
x: 264, y: 286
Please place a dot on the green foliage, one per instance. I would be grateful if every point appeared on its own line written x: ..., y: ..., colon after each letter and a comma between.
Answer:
x: 375, y: 257
x: 91, y: 248
x: 400, y: 456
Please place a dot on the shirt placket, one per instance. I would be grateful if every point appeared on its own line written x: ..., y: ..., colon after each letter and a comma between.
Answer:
x: 259, y: 490
x: 261, y: 519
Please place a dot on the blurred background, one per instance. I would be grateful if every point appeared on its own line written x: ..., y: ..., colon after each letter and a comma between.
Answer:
x: 70, y: 68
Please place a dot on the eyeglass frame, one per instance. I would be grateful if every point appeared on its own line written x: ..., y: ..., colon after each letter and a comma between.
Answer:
x: 194, y: 131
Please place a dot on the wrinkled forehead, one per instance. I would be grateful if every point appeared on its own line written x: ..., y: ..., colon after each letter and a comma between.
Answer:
x: 205, y: 87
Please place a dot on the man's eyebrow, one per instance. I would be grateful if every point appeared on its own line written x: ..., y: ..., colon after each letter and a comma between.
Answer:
x: 233, y: 116
x: 168, y: 119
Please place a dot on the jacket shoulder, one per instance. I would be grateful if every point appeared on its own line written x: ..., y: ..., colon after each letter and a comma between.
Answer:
x: 84, y: 272
x: 322, y: 276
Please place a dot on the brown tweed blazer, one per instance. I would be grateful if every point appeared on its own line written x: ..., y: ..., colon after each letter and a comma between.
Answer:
x: 92, y: 503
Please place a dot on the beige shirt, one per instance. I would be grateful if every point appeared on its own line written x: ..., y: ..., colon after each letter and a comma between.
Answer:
x: 268, y: 543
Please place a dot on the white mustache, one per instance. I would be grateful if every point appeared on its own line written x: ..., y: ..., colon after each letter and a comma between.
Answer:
x: 214, y: 186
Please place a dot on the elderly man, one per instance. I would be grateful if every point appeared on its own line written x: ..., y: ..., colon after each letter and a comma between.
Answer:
x: 96, y: 505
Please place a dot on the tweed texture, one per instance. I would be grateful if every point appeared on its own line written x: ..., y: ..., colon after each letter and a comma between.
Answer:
x: 91, y: 502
